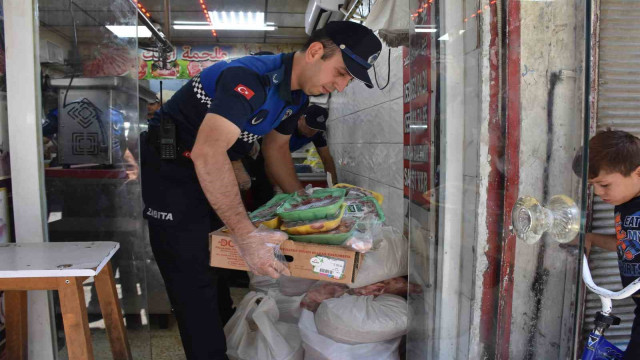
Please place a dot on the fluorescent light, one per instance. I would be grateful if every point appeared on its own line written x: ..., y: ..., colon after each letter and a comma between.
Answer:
x: 426, y: 30
x: 223, y: 20
x: 123, y: 31
x: 225, y: 27
x: 191, y: 22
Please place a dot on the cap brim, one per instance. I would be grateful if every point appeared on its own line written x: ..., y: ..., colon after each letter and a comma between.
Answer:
x: 316, y: 128
x: 357, y: 71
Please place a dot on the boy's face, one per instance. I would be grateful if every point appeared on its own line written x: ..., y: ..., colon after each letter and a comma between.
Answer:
x: 615, y: 188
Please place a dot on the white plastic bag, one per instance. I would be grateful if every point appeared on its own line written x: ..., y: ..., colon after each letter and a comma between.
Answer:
x: 389, y: 260
x: 253, y: 332
x: 261, y: 283
x: 318, y: 347
x: 288, y: 306
x: 294, y: 286
x: 353, y: 319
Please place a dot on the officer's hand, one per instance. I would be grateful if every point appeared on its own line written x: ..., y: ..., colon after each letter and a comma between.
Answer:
x: 257, y: 250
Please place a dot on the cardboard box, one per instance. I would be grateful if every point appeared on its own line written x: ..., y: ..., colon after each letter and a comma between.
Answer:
x: 305, y: 260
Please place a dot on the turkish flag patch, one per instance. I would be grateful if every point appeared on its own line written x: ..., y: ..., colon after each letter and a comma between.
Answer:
x: 244, y: 91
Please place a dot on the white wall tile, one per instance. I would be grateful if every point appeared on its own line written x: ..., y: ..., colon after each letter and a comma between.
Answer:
x: 366, y: 135
x: 396, y: 166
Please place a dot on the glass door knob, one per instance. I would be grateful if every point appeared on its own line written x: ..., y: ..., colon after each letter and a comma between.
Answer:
x: 560, y: 219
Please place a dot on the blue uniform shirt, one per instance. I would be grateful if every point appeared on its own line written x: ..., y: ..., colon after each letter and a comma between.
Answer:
x: 253, y: 92
x: 298, y: 140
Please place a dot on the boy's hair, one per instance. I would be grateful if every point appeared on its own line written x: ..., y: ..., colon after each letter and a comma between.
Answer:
x: 613, y: 151
x: 320, y: 35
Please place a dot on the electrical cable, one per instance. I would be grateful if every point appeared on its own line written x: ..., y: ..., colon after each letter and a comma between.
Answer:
x: 375, y: 74
x: 75, y: 54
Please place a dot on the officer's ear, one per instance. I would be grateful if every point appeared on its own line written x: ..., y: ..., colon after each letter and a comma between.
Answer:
x: 314, y: 51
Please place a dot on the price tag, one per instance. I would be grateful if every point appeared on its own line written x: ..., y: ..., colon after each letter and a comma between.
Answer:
x: 331, y: 267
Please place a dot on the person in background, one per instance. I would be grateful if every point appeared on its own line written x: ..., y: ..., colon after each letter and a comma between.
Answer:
x: 152, y: 107
x: 311, y: 128
x: 155, y: 106
x: 614, y: 172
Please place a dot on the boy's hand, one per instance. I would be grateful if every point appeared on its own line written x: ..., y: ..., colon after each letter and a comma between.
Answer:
x: 588, y: 238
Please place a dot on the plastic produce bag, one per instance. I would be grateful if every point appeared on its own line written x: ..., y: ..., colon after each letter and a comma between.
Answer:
x: 261, y: 283
x: 363, y: 239
x: 318, y: 347
x: 294, y: 286
x: 321, y: 291
x: 387, y: 260
x: 254, y: 332
x: 288, y: 306
x: 353, y: 319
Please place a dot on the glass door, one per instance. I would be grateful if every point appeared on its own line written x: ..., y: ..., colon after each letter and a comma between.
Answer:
x: 91, y: 110
x: 496, y: 103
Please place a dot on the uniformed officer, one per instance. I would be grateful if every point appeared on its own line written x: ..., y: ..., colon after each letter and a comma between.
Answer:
x: 311, y: 128
x: 218, y: 115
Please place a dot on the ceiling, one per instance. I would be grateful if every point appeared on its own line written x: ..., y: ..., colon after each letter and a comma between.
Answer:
x: 91, y: 16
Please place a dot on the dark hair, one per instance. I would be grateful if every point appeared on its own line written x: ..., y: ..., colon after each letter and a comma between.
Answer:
x: 613, y: 151
x: 320, y: 35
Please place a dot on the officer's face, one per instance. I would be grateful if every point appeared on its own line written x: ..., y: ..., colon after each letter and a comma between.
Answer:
x: 324, y: 76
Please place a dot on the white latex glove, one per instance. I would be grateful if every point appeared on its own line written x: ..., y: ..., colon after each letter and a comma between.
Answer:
x: 257, y: 249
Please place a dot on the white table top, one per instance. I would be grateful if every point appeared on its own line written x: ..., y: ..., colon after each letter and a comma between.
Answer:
x: 55, y: 259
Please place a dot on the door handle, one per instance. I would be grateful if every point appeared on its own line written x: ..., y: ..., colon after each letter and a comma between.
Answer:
x: 560, y: 219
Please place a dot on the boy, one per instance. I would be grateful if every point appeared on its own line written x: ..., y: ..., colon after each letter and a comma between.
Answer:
x: 614, y: 172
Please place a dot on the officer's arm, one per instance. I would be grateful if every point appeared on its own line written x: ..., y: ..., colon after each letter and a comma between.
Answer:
x: 213, y: 167
x: 327, y: 162
x: 278, y: 161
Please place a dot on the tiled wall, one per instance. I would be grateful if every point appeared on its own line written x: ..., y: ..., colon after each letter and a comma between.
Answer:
x: 365, y: 135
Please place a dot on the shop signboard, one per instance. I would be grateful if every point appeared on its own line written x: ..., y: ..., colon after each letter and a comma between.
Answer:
x: 187, y: 61
x: 417, y: 111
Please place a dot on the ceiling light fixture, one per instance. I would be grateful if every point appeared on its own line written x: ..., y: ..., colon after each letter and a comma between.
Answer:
x: 129, y: 31
x: 222, y: 20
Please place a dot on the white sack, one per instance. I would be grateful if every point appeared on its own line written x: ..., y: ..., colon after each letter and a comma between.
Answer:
x: 318, y: 347
x: 388, y: 261
x: 352, y: 319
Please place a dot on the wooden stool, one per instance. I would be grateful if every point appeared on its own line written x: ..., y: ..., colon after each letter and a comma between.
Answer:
x: 62, y: 267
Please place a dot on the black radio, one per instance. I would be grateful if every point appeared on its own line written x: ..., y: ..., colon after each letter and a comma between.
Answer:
x: 167, y: 138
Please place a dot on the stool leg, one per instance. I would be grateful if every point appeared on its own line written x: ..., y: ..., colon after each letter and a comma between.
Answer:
x: 74, y: 317
x: 16, y: 324
x: 112, y: 313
